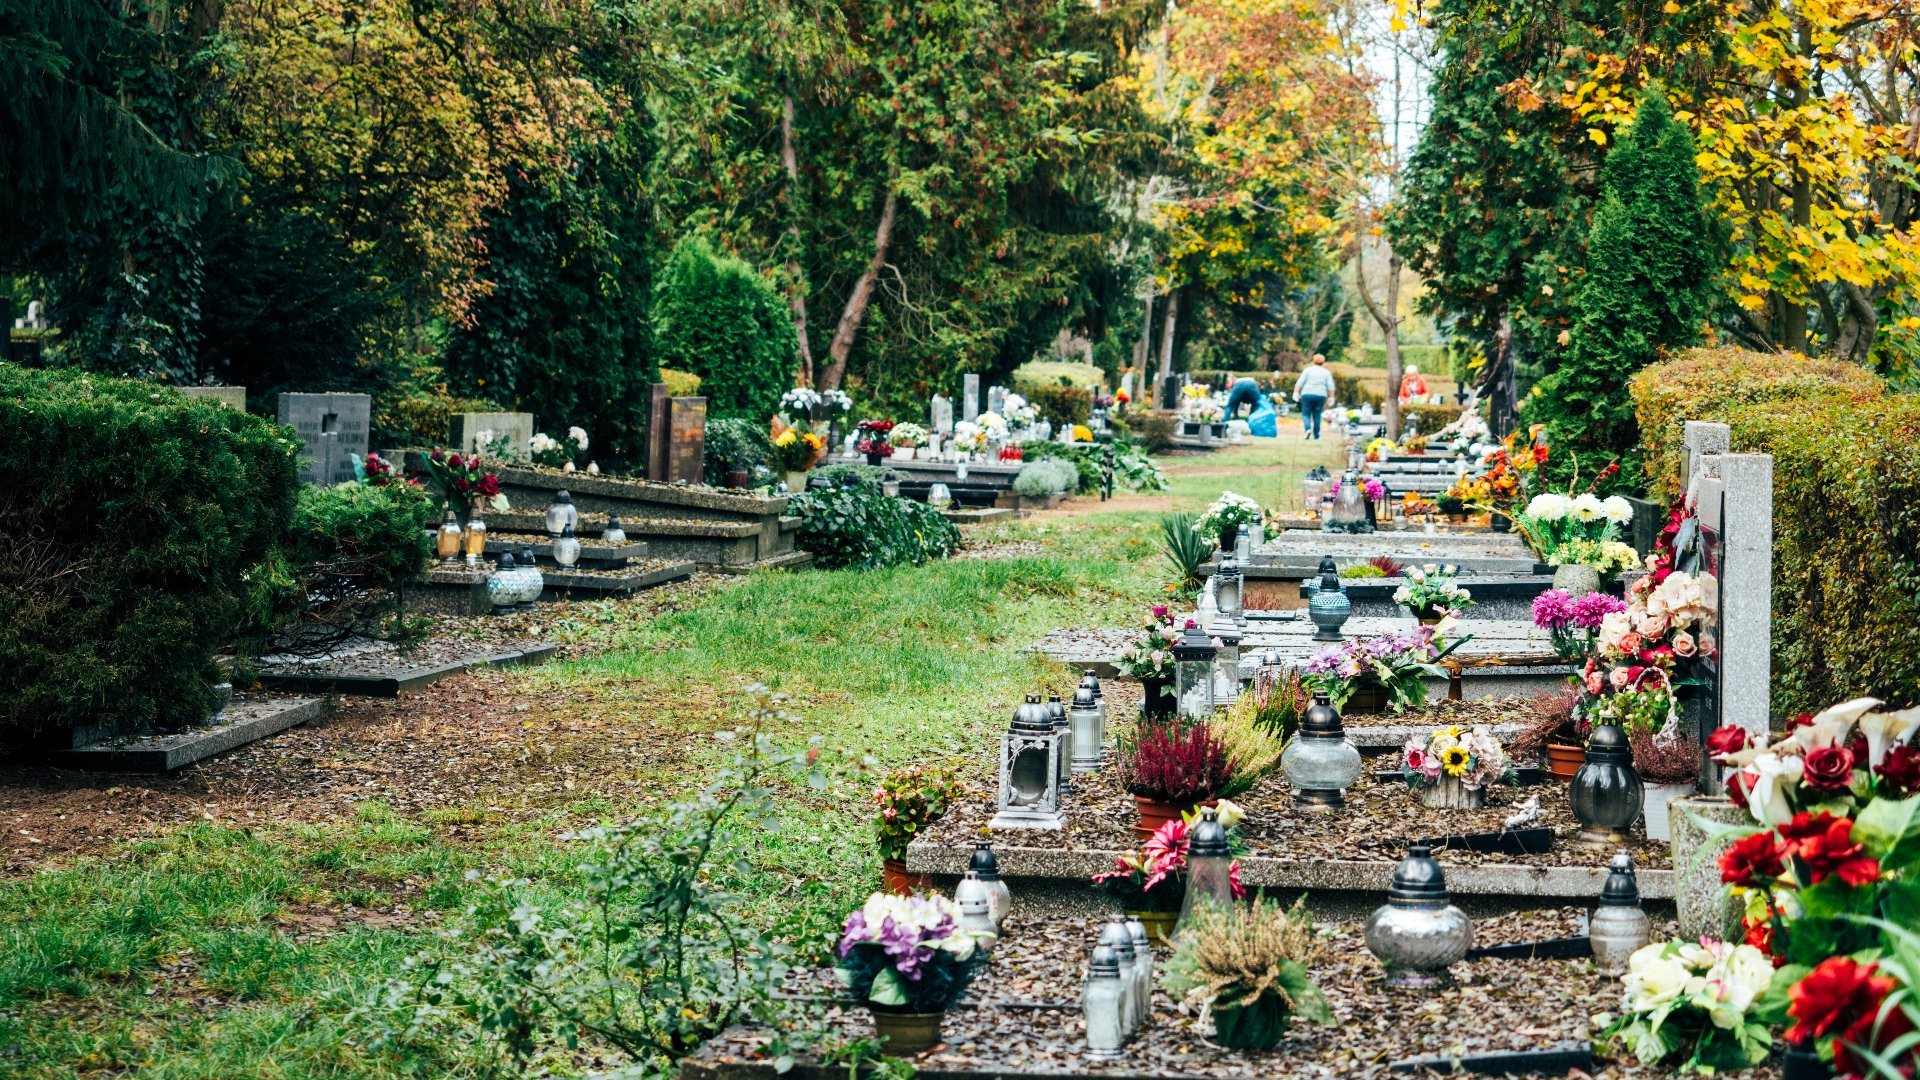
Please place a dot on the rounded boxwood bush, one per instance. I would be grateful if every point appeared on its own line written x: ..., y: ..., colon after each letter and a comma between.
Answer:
x: 135, y: 517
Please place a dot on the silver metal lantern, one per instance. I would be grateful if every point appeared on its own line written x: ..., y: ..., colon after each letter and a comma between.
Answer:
x: 1209, y: 868
x: 1193, y: 657
x: 975, y: 900
x: 984, y: 866
x: 1083, y: 721
x: 1057, y: 713
x: 1418, y: 933
x: 1229, y: 593
x: 1102, y: 1004
x: 1329, y: 606
x: 1030, y: 770
x: 1606, y: 793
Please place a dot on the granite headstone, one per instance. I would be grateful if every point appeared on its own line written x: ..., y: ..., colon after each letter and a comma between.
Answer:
x: 464, y: 431
x: 969, y: 396
x: 333, y: 430
x: 941, y: 416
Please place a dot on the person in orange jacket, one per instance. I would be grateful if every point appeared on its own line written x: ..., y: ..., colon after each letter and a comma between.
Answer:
x: 1412, y: 385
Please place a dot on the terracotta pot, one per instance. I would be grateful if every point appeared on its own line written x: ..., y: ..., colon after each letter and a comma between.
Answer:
x: 1159, y: 924
x: 1153, y: 814
x: 907, y: 1033
x: 895, y: 878
x: 1563, y: 760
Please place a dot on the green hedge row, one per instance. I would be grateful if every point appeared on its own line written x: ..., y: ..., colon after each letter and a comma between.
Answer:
x: 861, y: 528
x: 1061, y: 404
x: 1846, y: 509
x: 133, y: 517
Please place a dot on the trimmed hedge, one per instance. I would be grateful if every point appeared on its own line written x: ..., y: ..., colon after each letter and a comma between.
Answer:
x: 1351, y: 392
x: 1035, y: 374
x: 1706, y: 384
x: 1432, y: 417
x: 134, y: 517
x: 1846, y: 510
x: 1061, y: 405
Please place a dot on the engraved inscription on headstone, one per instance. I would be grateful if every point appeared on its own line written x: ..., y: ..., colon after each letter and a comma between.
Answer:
x: 333, y: 430
x: 686, y: 438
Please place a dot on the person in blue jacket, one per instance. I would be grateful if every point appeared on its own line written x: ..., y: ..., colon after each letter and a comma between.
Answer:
x: 1311, y: 390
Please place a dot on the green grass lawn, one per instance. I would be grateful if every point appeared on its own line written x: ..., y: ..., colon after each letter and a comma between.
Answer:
x: 216, y: 951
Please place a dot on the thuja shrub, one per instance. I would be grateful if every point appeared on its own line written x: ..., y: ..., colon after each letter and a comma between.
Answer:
x: 350, y: 549
x: 1062, y: 404
x: 1709, y: 384
x: 1846, y: 511
x: 716, y: 317
x: 133, y: 517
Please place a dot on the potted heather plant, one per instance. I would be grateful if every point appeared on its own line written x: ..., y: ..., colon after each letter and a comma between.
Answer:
x: 909, y: 800
x: 1669, y: 769
x: 908, y: 959
x: 1245, y: 970
x: 1170, y: 768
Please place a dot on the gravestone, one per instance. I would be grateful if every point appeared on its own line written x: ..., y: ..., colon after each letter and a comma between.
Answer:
x: 676, y: 436
x: 1170, y: 391
x: 333, y: 430
x: 997, y: 400
x: 464, y: 431
x: 969, y: 396
x: 233, y: 397
x: 941, y: 416
x: 1126, y: 385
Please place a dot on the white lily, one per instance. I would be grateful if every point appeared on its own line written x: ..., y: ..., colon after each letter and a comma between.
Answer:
x: 1831, y: 724
x: 1884, y: 731
x: 1767, y: 802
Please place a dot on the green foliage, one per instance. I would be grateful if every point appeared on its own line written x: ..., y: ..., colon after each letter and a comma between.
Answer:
x: 1351, y: 392
x: 1153, y: 431
x: 1430, y: 359
x: 717, y: 318
x: 734, y: 443
x: 1062, y: 405
x: 351, y: 547
x: 1046, y: 477
x: 680, y: 383
x: 865, y: 530
x: 1649, y: 286
x: 420, y: 415
x: 1846, y: 511
x: 1037, y: 374
x: 1431, y: 418
x: 1249, y: 963
x: 1133, y: 469
x: 1186, y: 551
x: 134, y: 519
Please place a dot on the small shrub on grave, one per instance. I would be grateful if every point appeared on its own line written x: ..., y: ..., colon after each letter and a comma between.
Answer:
x: 136, y: 520
x: 1062, y: 405
x: 351, y: 548
x: 1186, y: 552
x: 734, y: 444
x: 1153, y: 431
x: 1249, y: 965
x: 1046, y: 478
x: 1178, y: 764
x: 1132, y: 468
x: 680, y: 383
x: 1431, y: 418
x: 860, y: 528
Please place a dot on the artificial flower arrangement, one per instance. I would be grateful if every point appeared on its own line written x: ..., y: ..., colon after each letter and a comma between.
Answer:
x: 1695, y: 1004
x: 993, y: 427
x: 555, y: 453
x: 796, y: 450
x: 1473, y: 756
x: 1433, y: 592
x: 908, y: 954
x: 1208, y: 411
x: 873, y: 438
x: 1245, y: 971
x: 1398, y: 663
x: 1583, y: 529
x: 836, y: 401
x: 967, y: 436
x: 1573, y: 622
x: 1228, y: 511
x: 1019, y: 412
x: 1463, y: 432
x: 464, y: 481
x: 1082, y: 433
x: 1151, y: 655
x: 908, y: 801
x: 1468, y: 490
x: 908, y: 435
x: 379, y: 472
x: 1155, y: 877
x: 1372, y: 488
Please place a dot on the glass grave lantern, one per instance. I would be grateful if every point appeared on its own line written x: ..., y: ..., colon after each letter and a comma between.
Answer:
x: 1230, y: 589
x: 1418, y: 934
x: 613, y: 533
x: 1226, y: 662
x: 1209, y: 868
x: 1193, y: 657
x: 447, y: 540
x: 1088, y: 731
x: 561, y: 513
x: 890, y: 484
x: 1057, y: 714
x: 1314, y: 489
x: 1606, y: 794
x: 1319, y: 761
x: 1100, y: 1002
x: 1349, y: 513
x: 1619, y: 926
x: 1030, y: 770
x: 473, y: 541
x: 939, y: 497
x: 531, y: 577
x: 566, y: 548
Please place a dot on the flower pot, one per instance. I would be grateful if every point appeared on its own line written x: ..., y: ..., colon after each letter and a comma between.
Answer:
x: 1654, y: 800
x: 1562, y: 760
x: 739, y: 478
x: 1368, y: 697
x: 1798, y: 1062
x: 1260, y: 1024
x: 1499, y: 522
x: 1156, y: 697
x: 896, y: 879
x: 1459, y: 518
x: 796, y: 480
x: 1703, y: 830
x: 904, y: 453
x: 1576, y: 580
x: 1229, y: 536
x: 874, y: 459
x: 1448, y: 793
x: 907, y: 1033
x: 1159, y: 924
x: 1153, y: 814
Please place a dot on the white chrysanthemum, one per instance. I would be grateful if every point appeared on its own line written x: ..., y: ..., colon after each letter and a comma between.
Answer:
x: 579, y: 436
x: 1618, y: 510
x: 1586, y: 507
x: 1547, y: 507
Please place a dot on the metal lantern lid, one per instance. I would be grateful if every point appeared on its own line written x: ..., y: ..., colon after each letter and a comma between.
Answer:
x: 1194, y: 644
x: 563, y: 497
x: 1032, y: 717
x: 1056, y: 711
x: 1608, y: 746
x: 1419, y: 877
x: 983, y: 864
x: 1229, y: 567
x: 1329, y: 575
x: 1114, y: 935
x: 1106, y: 964
x: 1091, y: 681
x: 1209, y: 837
x: 1322, y: 721
x: 505, y: 562
x: 1622, y: 889
x: 526, y: 554
x: 1083, y: 698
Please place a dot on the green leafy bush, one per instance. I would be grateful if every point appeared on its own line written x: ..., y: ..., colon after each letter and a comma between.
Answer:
x: 1062, y: 404
x: 1267, y: 381
x: 680, y: 383
x: 1132, y: 468
x: 134, y: 518
x: 734, y: 443
x: 1351, y: 392
x: 350, y: 548
x: 1045, y: 478
x: 1846, y: 510
x: 714, y: 316
x: 863, y: 529
x: 1431, y: 418
x: 1153, y: 431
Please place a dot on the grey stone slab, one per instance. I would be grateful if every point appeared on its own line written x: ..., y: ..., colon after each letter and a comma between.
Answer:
x: 465, y: 429
x: 1746, y: 591
x: 399, y: 682
x: 592, y: 555
x: 233, y: 397
x: 334, y: 430
x: 244, y: 722
x: 560, y: 584
x: 969, y: 396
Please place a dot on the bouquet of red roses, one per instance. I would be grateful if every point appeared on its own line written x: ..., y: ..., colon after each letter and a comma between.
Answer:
x: 463, y: 480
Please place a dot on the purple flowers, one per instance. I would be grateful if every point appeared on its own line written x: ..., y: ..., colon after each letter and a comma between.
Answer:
x: 1555, y: 610
x: 911, y: 930
x: 1350, y: 659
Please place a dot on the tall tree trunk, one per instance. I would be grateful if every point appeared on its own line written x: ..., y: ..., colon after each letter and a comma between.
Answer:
x: 1166, y: 341
x: 1388, y: 319
x: 1793, y: 327
x: 1143, y: 348
x: 794, y: 273
x: 859, y: 298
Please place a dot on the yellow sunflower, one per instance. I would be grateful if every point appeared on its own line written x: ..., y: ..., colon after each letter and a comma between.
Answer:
x: 1455, y: 760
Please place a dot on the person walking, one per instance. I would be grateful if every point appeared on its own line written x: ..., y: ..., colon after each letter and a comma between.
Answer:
x: 1311, y: 390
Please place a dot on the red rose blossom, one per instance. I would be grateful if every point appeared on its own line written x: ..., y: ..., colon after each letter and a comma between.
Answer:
x: 1829, y: 768
x: 1738, y: 785
x: 1727, y: 739
x: 1753, y: 861
x: 1842, y: 998
x: 1824, y: 847
x: 1901, y: 771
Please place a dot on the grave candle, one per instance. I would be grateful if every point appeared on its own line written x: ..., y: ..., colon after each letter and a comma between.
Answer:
x: 448, y: 540
x: 613, y: 533
x: 1114, y: 936
x: 1319, y: 762
x: 1209, y: 869
x: 1101, y: 1004
x: 474, y: 539
x: 566, y: 550
x: 1193, y: 657
x: 984, y: 866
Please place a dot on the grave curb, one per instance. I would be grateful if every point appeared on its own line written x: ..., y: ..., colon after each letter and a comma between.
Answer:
x: 411, y: 679
x: 187, y: 747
